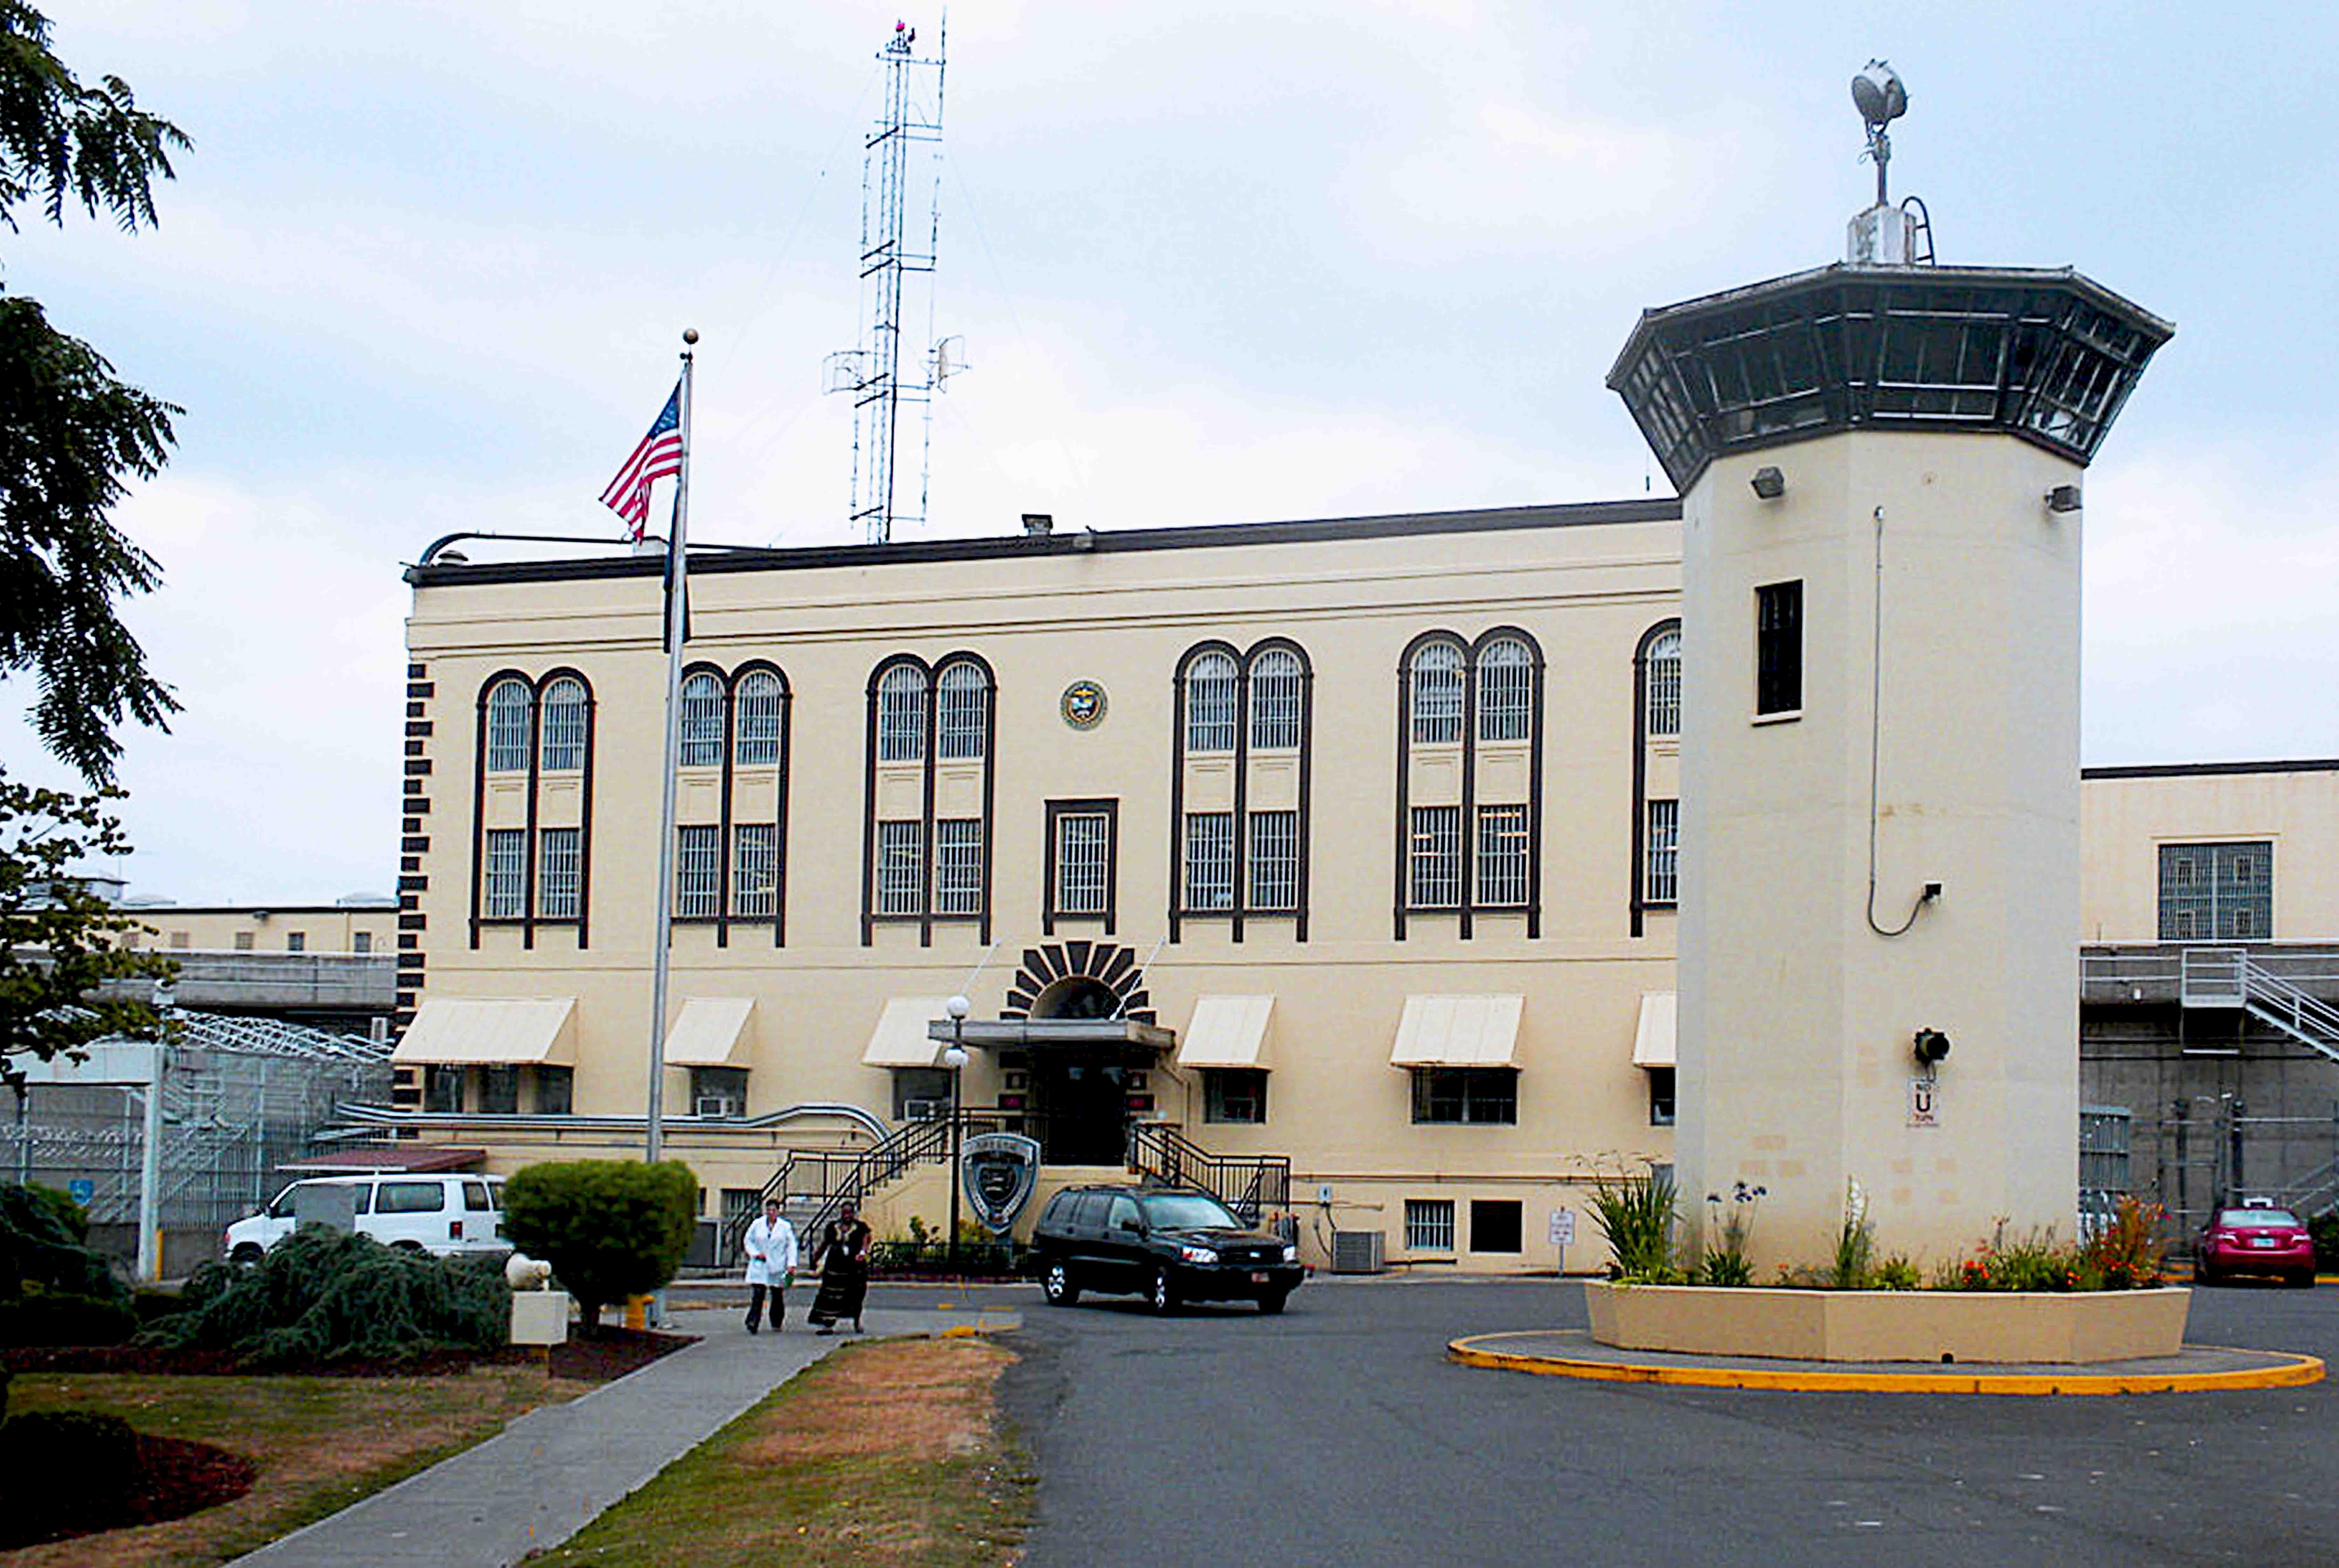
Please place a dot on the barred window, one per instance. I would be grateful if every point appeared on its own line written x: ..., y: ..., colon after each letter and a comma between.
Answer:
x: 564, y: 726
x: 507, y: 706
x: 2216, y: 891
x: 1275, y: 700
x: 962, y: 719
x: 702, y: 722
x: 902, y: 715
x: 958, y: 865
x: 1274, y: 860
x: 1210, y: 860
x: 1210, y: 704
x: 557, y: 851
x: 1664, y: 683
x: 1501, y: 857
x: 1664, y: 851
x: 756, y: 721
x: 697, y: 873
x: 1429, y: 1225
x: 1437, y: 694
x: 503, y: 895
x: 755, y: 870
x: 900, y: 867
x: 1083, y: 856
x: 1435, y: 881
x: 1505, y: 690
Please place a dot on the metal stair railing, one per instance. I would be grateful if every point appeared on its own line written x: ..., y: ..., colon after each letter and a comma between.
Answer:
x: 1247, y: 1184
x: 831, y: 1178
x: 2211, y: 977
x: 2299, y: 1013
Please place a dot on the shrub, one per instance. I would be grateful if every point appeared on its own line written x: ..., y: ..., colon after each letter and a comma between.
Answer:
x: 2127, y: 1253
x: 2324, y: 1229
x: 66, y: 1318
x: 1636, y: 1214
x: 1855, y: 1242
x: 1898, y: 1272
x: 610, y: 1228
x: 63, y: 1470
x: 320, y: 1294
x: 42, y: 1243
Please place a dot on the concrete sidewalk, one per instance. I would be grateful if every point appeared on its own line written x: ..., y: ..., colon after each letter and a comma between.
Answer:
x: 555, y: 1469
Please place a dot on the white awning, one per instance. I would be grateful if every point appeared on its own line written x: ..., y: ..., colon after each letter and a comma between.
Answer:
x: 712, y: 1031
x: 491, y: 1030
x: 1652, y: 1041
x: 900, y: 1038
x: 1458, y: 1031
x: 1227, y: 1031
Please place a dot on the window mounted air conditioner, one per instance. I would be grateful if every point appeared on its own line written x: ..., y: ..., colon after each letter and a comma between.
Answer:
x: 720, y: 1105
x: 926, y: 1110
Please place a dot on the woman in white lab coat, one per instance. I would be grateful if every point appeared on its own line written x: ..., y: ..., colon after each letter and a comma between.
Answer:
x: 771, y: 1247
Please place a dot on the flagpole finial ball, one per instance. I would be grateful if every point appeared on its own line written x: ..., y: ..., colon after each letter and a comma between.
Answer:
x: 690, y: 334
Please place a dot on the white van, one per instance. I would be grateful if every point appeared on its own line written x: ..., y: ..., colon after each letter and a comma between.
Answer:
x: 439, y: 1214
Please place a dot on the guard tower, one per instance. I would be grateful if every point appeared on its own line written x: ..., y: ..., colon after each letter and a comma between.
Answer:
x: 1879, y: 465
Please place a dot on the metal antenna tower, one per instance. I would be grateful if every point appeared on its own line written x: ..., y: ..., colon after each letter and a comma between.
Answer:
x: 902, y: 165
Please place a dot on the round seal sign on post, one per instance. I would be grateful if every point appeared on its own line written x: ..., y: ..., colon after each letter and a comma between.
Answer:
x: 1083, y: 704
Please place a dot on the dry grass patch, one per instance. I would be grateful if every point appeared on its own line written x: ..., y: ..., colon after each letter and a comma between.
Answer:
x: 320, y: 1442
x: 884, y: 1453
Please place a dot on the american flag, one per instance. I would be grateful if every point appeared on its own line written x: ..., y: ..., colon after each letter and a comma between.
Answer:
x: 657, y: 457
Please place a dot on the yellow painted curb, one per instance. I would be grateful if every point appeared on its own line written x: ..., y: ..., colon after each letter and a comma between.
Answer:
x: 2293, y: 1371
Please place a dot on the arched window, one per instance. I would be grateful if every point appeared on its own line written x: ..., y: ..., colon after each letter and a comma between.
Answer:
x: 755, y: 726
x: 1436, y: 677
x: 563, y: 748
x: 1664, y: 683
x: 507, y: 706
x: 902, y: 715
x: 1275, y: 700
x: 961, y: 720
x: 702, y: 722
x: 1210, y: 703
x: 1505, y: 690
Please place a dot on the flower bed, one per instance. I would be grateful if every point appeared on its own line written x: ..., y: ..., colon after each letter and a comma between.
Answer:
x: 1931, y: 1326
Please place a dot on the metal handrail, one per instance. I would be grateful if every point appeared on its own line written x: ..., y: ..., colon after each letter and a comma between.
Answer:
x: 2276, y: 1001
x: 1246, y: 1183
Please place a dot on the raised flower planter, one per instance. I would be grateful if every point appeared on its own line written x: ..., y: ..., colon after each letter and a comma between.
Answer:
x: 1933, y: 1326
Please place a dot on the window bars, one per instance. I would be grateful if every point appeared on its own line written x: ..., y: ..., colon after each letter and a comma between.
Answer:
x: 1665, y: 683
x: 961, y: 719
x: 1437, y: 694
x: 1429, y: 1225
x: 507, y: 706
x: 755, y: 870
x: 1502, y: 860
x: 697, y: 873
x: 1275, y: 700
x: 1505, y: 692
x: 1210, y: 704
x: 958, y: 865
x: 1083, y: 851
x: 902, y: 715
x: 1209, y: 860
x: 755, y: 720
x: 563, y: 749
x: 503, y: 898
x: 557, y: 880
x: 1435, y: 861
x: 1274, y: 860
x: 1662, y: 883
x: 900, y: 867
x: 702, y: 722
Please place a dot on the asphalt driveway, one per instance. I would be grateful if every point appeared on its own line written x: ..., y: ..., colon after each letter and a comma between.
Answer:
x: 1339, y: 1434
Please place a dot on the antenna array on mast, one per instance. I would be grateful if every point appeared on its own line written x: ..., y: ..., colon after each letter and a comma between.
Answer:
x: 901, y: 172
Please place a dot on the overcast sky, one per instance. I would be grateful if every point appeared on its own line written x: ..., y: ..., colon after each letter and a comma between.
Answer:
x: 426, y: 267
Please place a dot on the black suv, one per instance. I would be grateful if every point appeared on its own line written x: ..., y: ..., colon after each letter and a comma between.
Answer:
x: 1169, y: 1244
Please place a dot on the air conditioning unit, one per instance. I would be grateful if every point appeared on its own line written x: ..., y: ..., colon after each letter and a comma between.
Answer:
x: 1357, y: 1252
x: 926, y: 1110
x: 720, y: 1105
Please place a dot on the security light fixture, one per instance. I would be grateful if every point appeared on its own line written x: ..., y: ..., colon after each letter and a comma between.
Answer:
x: 1768, y: 483
x: 2063, y: 498
x: 1038, y: 525
x: 1931, y: 1045
x: 1878, y: 93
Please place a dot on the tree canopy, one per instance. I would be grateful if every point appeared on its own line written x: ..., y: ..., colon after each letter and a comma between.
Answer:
x: 72, y: 435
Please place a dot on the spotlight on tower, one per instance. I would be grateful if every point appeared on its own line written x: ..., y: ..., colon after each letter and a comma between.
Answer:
x: 1768, y: 483
x: 1879, y: 94
x: 2063, y: 498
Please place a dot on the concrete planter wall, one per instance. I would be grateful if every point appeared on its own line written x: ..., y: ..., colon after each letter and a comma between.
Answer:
x: 1890, y: 1325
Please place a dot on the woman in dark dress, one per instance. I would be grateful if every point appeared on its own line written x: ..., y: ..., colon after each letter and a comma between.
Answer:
x: 843, y: 1260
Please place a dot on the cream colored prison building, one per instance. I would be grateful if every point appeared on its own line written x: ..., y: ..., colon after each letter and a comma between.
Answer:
x: 1345, y: 842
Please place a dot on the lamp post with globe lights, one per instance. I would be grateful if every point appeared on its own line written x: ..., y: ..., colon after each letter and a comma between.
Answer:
x: 958, y: 1007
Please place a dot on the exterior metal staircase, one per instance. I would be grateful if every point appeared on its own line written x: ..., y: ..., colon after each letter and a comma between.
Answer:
x: 1249, y: 1184
x: 813, y: 1184
x: 2229, y: 978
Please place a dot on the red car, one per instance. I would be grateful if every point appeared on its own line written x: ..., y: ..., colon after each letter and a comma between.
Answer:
x: 2253, y: 1239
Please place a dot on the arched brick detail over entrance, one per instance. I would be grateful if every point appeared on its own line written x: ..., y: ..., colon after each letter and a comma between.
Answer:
x: 1110, y: 964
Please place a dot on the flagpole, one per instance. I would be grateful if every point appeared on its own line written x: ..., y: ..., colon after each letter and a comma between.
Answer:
x: 677, y: 555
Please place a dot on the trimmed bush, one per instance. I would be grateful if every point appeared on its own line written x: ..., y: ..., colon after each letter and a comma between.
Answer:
x: 321, y: 1295
x: 67, y: 1450
x: 42, y: 1237
x: 64, y: 1318
x: 610, y: 1228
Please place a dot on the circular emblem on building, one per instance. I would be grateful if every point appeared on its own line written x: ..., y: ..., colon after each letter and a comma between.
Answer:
x: 1083, y: 704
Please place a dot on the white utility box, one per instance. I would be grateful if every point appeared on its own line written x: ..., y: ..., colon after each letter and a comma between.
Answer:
x: 540, y: 1318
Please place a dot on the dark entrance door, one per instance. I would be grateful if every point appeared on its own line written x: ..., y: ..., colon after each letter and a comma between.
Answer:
x: 1084, y: 1102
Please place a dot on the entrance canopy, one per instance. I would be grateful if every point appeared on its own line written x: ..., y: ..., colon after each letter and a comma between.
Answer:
x: 1227, y: 1032
x: 1458, y: 1031
x: 1652, y: 1041
x: 900, y: 1039
x: 712, y: 1031
x: 491, y: 1032
x: 1040, y: 1033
